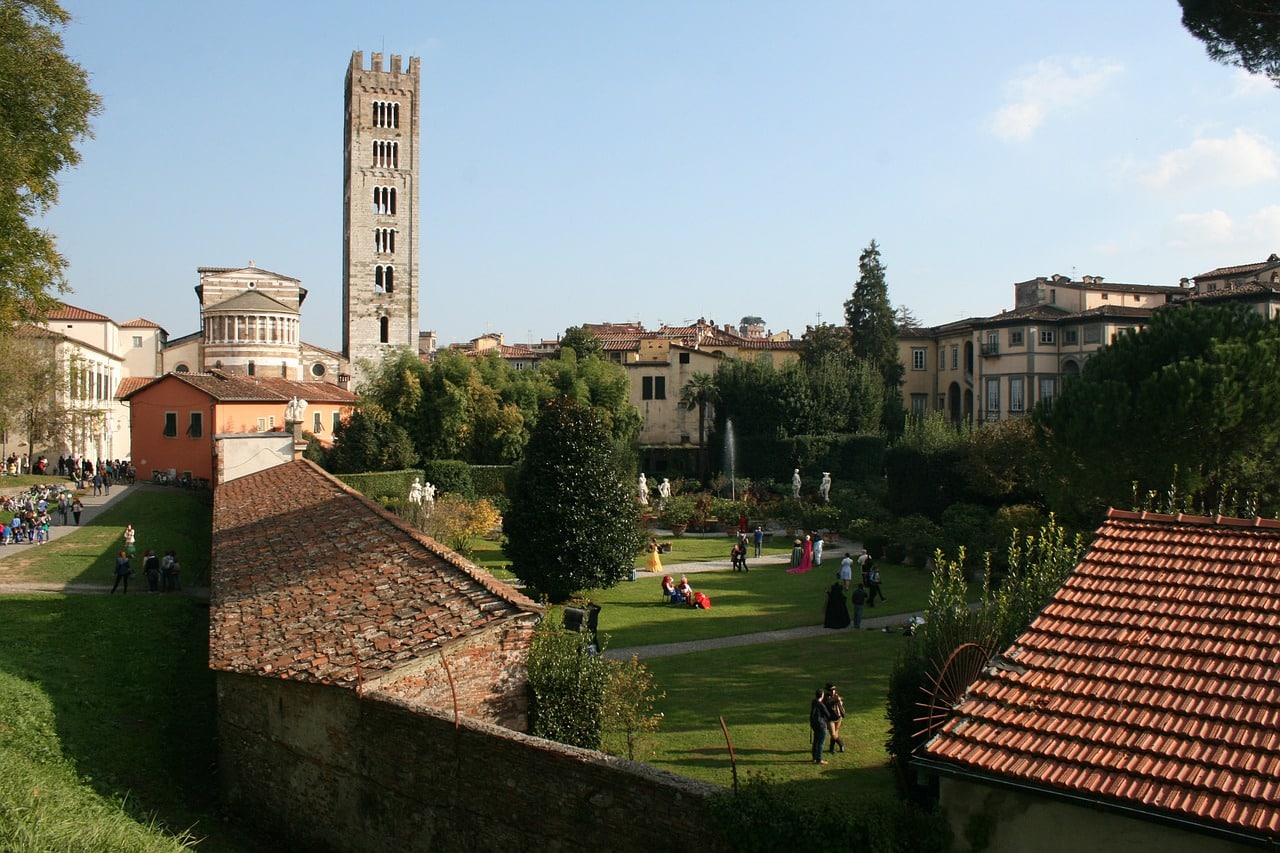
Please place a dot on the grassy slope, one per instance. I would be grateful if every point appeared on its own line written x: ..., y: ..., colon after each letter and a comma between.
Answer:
x: 119, y: 692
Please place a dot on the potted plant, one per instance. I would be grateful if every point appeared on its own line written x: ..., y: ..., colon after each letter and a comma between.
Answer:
x: 677, y: 512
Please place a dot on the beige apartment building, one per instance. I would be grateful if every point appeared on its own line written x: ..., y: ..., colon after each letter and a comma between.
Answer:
x: 998, y: 367
x: 660, y: 363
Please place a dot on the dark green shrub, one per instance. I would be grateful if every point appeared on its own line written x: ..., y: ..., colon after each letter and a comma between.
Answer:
x: 764, y: 816
x: 567, y: 681
x: 919, y: 538
x: 490, y: 481
x: 968, y: 526
x: 451, y: 475
x: 382, y: 484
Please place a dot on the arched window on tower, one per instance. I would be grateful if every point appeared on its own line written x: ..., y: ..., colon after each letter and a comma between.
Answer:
x: 387, y: 279
x: 250, y: 368
x: 384, y: 329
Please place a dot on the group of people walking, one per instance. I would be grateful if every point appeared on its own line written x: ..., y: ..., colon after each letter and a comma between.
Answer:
x: 34, y: 511
x: 863, y: 596
x: 163, y: 573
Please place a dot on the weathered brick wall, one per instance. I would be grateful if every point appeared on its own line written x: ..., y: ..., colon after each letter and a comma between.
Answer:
x: 488, y: 672
x: 328, y: 769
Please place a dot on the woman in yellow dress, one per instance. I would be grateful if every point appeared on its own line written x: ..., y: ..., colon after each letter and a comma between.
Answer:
x: 655, y: 562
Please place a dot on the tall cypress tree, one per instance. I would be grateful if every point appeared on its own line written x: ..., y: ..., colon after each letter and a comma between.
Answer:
x: 870, y: 317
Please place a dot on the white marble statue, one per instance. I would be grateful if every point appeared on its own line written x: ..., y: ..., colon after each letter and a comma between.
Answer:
x: 415, y: 492
x: 429, y: 495
x: 795, y: 484
x: 824, y: 488
x: 642, y: 490
x: 664, y: 489
x: 293, y: 410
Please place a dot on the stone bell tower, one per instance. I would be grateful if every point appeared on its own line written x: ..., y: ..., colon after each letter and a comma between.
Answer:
x: 380, y: 209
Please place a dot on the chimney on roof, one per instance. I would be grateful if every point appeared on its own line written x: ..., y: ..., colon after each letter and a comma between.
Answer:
x: 344, y: 381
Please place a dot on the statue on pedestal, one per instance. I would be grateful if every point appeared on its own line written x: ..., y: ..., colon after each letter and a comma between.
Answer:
x: 825, y: 488
x: 429, y: 495
x: 795, y: 484
x: 294, y: 410
x: 415, y: 492
x: 642, y: 490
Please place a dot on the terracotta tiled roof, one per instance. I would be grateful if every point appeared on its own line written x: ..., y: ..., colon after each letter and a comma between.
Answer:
x: 140, y: 323
x: 257, y: 389
x: 132, y: 383
x: 507, y: 351
x: 1243, y: 269
x: 313, y: 582
x: 70, y: 312
x: 1149, y: 682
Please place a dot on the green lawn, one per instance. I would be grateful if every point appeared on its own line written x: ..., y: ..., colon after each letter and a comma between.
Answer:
x: 107, y: 702
x: 763, y: 693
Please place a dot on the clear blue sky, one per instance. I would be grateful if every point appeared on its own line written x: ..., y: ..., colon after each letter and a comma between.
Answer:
x: 598, y: 161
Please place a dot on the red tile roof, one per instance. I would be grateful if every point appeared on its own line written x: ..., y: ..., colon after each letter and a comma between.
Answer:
x: 255, y: 389
x: 313, y: 582
x: 70, y: 312
x: 132, y: 383
x: 140, y: 323
x: 1149, y: 682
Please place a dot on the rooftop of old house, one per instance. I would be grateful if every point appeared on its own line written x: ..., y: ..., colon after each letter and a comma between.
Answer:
x: 313, y: 582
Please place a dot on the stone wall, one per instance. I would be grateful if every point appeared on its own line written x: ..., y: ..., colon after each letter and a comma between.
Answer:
x: 325, y: 768
x: 486, y: 675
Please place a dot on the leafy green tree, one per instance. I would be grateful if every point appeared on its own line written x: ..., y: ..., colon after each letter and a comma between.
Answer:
x: 573, y: 522
x: 37, y: 389
x: 582, y: 342
x: 370, y: 441
x: 870, y: 318
x: 825, y: 341
x: 628, y: 713
x: 45, y: 110
x: 750, y: 387
x: 1196, y: 397
x: 1245, y: 33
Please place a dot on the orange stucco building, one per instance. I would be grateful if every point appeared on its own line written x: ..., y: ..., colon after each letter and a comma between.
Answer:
x: 175, y: 418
